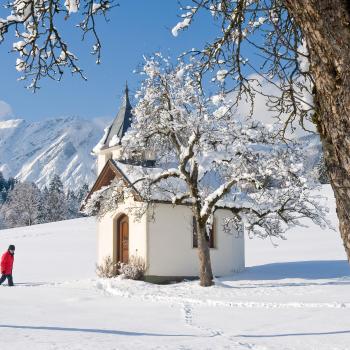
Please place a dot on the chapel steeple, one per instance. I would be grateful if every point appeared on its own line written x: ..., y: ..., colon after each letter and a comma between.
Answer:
x: 121, y: 123
x: 110, y: 147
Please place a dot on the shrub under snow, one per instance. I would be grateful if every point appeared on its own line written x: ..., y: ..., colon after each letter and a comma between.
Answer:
x: 134, y: 269
x: 108, y: 268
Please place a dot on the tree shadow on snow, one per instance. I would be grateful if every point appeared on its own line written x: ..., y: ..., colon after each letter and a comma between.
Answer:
x: 291, y: 334
x: 338, y: 270
x: 30, y: 284
x: 100, y: 331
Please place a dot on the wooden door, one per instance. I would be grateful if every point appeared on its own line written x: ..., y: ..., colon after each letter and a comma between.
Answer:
x: 123, y: 243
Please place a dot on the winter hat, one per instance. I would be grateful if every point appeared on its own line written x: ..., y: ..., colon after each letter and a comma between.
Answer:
x: 11, y: 247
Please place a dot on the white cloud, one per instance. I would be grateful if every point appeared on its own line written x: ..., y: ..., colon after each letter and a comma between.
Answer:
x: 5, y: 111
x: 103, y: 121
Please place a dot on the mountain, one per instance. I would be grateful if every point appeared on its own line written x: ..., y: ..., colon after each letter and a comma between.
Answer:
x: 35, y: 151
x: 313, y: 150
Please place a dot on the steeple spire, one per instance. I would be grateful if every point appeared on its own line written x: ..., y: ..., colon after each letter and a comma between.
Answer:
x: 126, y: 88
x: 126, y: 93
x: 121, y: 122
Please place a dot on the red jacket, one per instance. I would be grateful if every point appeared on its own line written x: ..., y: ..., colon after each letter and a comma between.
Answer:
x: 7, y: 263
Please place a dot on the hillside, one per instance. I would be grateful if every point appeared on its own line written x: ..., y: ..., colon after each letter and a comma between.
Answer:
x: 293, y: 296
x: 36, y: 151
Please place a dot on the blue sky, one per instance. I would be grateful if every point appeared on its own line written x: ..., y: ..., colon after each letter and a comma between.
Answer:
x: 135, y: 28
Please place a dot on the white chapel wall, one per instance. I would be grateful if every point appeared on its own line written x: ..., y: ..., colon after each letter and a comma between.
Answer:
x: 170, y: 250
x: 102, y: 160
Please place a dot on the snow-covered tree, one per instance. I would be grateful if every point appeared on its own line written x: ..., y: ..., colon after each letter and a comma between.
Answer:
x: 5, y: 187
x: 300, y: 50
x: 208, y: 158
x: 56, y: 184
x: 22, y: 205
x: 74, y: 200
x: 55, y: 203
x: 82, y: 193
x: 72, y: 204
x: 2, y: 182
x: 3, y: 193
x: 43, y: 209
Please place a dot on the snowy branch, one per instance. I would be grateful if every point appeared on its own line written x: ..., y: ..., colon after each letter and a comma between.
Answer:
x: 42, y: 50
x: 251, y: 29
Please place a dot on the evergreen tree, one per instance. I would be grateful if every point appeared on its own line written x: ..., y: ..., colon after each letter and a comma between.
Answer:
x: 2, y: 182
x: 11, y: 182
x: 3, y: 195
x: 72, y: 205
x: 55, y: 202
x: 56, y: 184
x: 43, y: 210
x: 82, y: 193
x: 5, y: 187
x: 74, y: 200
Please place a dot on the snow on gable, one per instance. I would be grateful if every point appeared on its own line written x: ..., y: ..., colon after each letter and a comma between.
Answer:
x: 101, y: 143
x: 114, y: 141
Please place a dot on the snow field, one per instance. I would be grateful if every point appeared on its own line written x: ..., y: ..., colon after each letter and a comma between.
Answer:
x: 292, y: 296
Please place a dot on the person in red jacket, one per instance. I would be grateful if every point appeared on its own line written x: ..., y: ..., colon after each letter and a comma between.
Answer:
x: 7, y: 265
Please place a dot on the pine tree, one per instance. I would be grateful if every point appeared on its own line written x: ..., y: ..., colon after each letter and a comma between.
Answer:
x: 2, y: 182
x: 55, y: 202
x: 11, y: 182
x: 43, y: 211
x: 3, y: 195
x: 72, y: 205
x: 56, y: 184
x: 82, y: 192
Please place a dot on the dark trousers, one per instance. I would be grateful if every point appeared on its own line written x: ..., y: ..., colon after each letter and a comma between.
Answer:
x: 9, y: 279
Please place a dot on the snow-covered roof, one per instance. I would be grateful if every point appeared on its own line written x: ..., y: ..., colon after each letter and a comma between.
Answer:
x: 165, y: 189
x: 120, y: 124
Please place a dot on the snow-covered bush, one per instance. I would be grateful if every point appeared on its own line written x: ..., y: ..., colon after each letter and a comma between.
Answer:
x: 108, y: 268
x: 135, y: 269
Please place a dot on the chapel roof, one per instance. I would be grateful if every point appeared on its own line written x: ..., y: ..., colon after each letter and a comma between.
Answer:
x: 120, y: 124
x: 130, y: 174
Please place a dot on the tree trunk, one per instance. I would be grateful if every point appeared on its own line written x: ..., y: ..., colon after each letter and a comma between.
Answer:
x: 325, y: 25
x: 205, y: 271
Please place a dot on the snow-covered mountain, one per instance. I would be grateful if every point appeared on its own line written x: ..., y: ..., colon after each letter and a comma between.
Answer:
x: 35, y: 151
x: 313, y: 150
